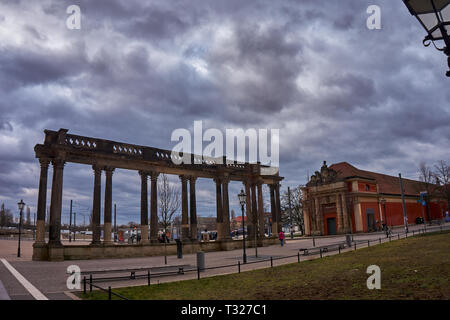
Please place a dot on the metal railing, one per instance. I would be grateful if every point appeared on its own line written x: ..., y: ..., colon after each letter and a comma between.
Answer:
x: 321, y: 251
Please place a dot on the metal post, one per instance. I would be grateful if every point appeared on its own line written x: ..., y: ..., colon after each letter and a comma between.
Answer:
x: 90, y: 283
x: 148, y: 276
x: 271, y: 262
x: 70, y: 222
x: 115, y: 223
x: 20, y: 233
x: 244, y: 255
x: 290, y: 213
x: 109, y: 293
x: 339, y: 248
x: 74, y: 225
x: 405, y: 217
x: 84, y: 284
x: 355, y: 245
x: 314, y: 242
x: 239, y: 266
x: 198, y: 273
x: 321, y: 252
x: 298, y: 257
x: 379, y: 239
x: 398, y: 236
x: 368, y: 243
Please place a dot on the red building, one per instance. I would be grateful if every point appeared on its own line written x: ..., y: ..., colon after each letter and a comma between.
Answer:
x: 341, y: 199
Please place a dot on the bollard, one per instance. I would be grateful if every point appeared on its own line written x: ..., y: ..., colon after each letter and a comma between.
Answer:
x: 298, y: 257
x: 198, y: 273
x: 109, y: 293
x: 84, y: 285
x: 148, y: 277
x: 314, y: 242
x: 90, y: 283
x: 368, y: 243
x: 379, y: 239
x: 271, y: 262
x: 201, y: 260
x: 339, y: 248
x: 321, y: 252
x: 239, y: 266
x: 348, y: 239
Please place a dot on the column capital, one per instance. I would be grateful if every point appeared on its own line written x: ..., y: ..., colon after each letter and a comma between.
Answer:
x: 143, y: 173
x: 193, y: 179
x: 44, y: 162
x: 183, y: 177
x: 217, y: 180
x: 97, y: 169
x: 58, y: 163
x: 154, y: 175
x: 109, y: 170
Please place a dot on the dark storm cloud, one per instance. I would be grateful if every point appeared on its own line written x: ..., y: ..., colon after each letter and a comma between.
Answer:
x: 138, y: 70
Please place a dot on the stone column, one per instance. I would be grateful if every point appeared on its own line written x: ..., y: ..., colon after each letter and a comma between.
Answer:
x: 56, y: 203
x: 273, y: 210
x: 154, y: 207
x: 184, y: 209
x: 345, y: 215
x: 108, y: 206
x: 317, y: 213
x: 226, y: 209
x: 278, y: 206
x: 144, y: 207
x: 193, y: 208
x: 96, y: 231
x: 260, y: 210
x: 42, y: 202
x: 248, y: 206
x: 219, y: 209
x: 340, y: 220
x: 255, y: 216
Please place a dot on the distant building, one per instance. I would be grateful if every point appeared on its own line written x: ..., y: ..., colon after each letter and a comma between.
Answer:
x: 341, y: 199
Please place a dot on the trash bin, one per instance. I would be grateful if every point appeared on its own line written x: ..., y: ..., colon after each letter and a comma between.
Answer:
x: 348, y: 240
x: 201, y: 260
x: 179, y: 249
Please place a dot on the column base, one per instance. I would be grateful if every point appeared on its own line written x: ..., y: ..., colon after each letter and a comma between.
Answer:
x: 40, y: 251
x: 55, y: 252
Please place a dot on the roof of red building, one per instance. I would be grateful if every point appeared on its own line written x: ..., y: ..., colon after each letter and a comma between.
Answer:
x: 386, y: 184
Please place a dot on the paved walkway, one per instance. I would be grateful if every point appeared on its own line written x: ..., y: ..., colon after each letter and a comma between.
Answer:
x: 50, y: 277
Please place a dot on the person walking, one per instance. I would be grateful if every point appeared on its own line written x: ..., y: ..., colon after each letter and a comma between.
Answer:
x: 281, y: 237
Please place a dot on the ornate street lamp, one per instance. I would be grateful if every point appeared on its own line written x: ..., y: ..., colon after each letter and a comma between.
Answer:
x: 21, y: 205
x: 434, y: 16
x: 242, y: 199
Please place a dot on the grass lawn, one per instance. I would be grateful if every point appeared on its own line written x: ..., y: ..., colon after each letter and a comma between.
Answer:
x: 413, y: 268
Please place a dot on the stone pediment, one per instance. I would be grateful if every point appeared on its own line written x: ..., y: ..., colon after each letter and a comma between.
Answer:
x: 325, y: 176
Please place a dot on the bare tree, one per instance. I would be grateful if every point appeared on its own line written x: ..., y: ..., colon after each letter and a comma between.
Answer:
x: 169, y: 201
x: 295, y: 216
x: 442, y: 174
x: 428, y: 184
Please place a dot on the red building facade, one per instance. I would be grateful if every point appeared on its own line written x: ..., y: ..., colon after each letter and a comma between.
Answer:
x: 342, y: 199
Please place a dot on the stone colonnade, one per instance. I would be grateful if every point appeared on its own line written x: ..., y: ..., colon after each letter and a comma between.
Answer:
x: 254, y: 207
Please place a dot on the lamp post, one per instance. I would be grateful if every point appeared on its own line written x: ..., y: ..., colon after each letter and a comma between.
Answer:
x: 434, y: 16
x: 242, y: 198
x: 21, y: 205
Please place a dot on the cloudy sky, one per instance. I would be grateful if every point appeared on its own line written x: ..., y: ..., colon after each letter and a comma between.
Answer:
x: 137, y: 70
